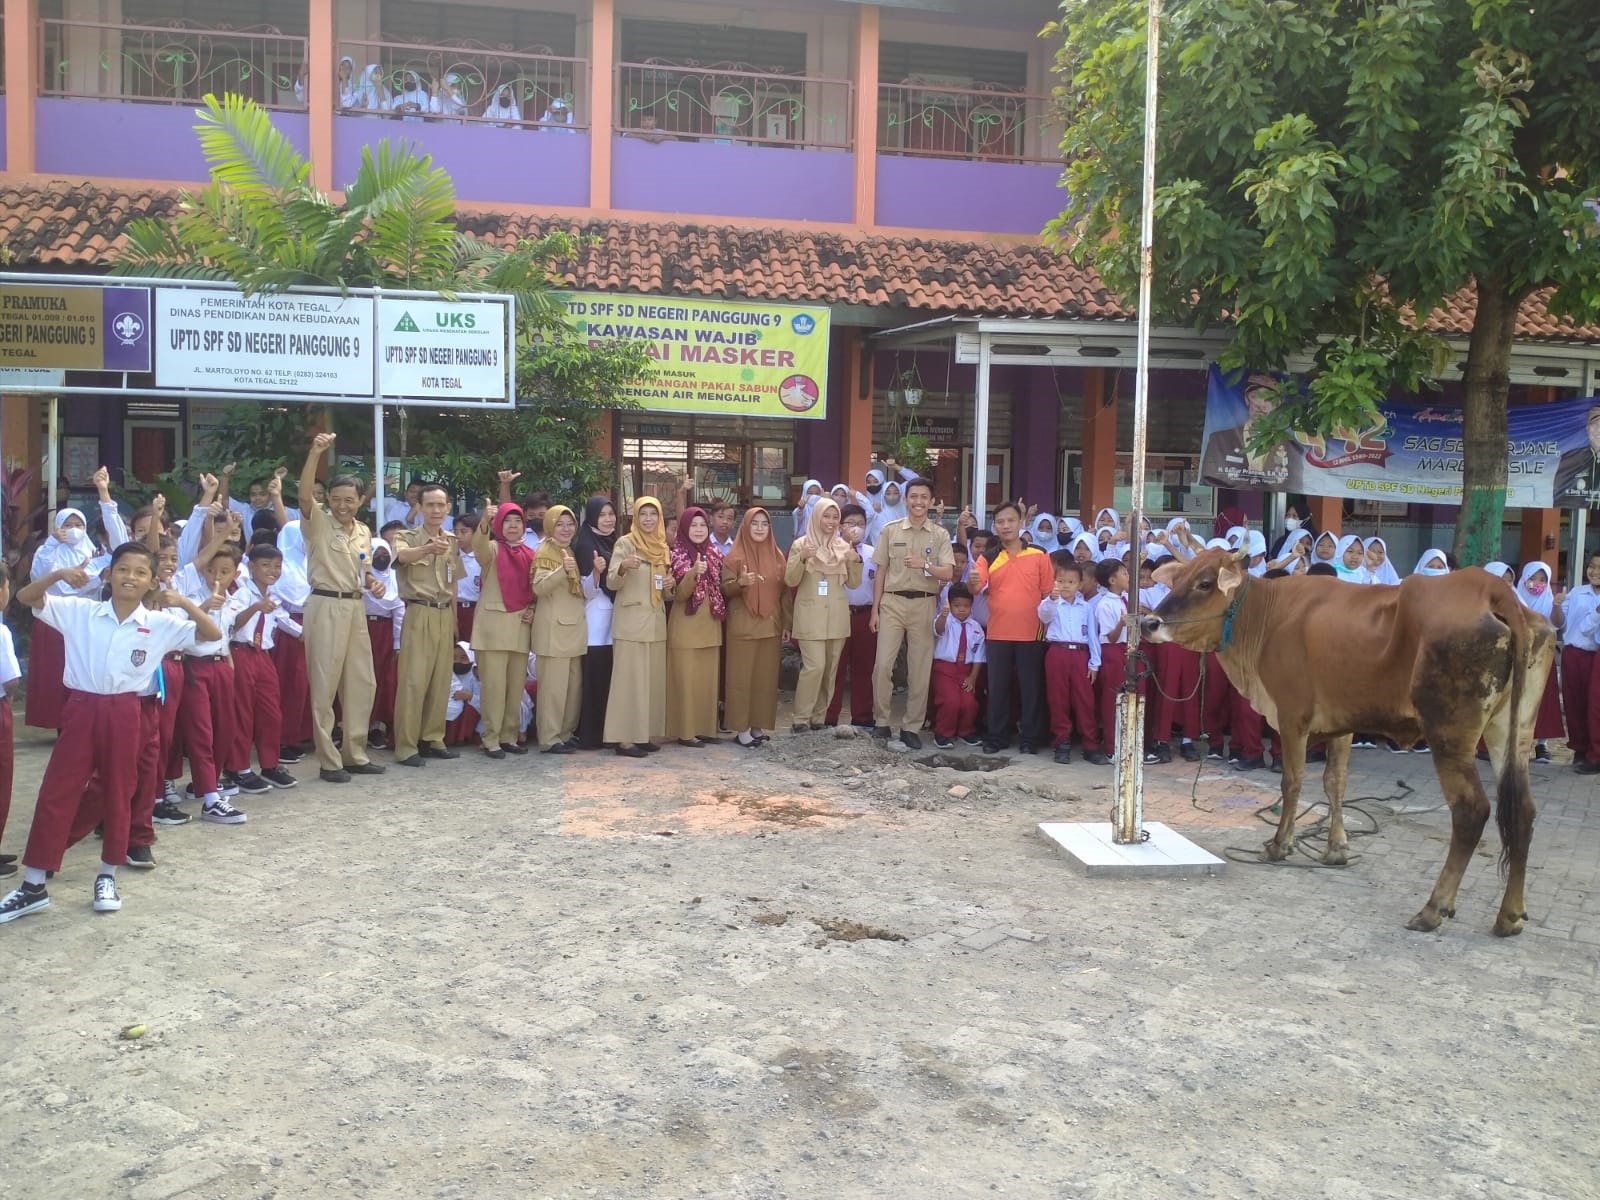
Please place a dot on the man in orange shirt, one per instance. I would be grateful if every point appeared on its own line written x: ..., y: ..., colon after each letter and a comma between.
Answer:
x: 1016, y: 577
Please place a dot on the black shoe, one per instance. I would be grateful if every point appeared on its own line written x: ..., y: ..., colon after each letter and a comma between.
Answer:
x: 799, y: 727
x: 1393, y: 746
x: 1216, y: 752
x: 972, y: 739
x: 1541, y: 755
x: 26, y: 899
x: 377, y: 740
x: 168, y: 813
x: 338, y: 776
x: 1584, y: 767
x: 1160, y: 752
x: 1097, y: 758
x: 440, y: 751
x: 140, y: 856
x: 881, y: 732
x: 695, y: 743
x: 1190, y: 752
x: 366, y: 768
x: 252, y: 783
x: 6, y: 869
x: 910, y: 740
x: 1064, y: 753
x: 559, y: 748
x: 943, y: 743
x: 513, y: 748
x: 992, y: 747
x: 1027, y: 747
x: 290, y: 754
x: 649, y: 747
x: 574, y: 743
x: 279, y: 778
x: 631, y: 751
x: 1248, y: 764
x: 1277, y: 766
x: 495, y: 751
x: 415, y: 760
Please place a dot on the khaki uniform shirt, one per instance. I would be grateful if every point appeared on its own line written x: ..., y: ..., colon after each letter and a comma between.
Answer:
x: 929, y: 545
x: 336, y: 561
x: 431, y: 578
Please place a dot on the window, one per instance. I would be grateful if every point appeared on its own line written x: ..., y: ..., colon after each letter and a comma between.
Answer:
x: 503, y: 28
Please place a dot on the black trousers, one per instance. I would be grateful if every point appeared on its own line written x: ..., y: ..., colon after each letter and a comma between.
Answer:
x: 596, y: 688
x: 1019, y: 665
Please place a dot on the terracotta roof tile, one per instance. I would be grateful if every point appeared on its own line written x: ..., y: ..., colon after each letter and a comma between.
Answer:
x: 78, y: 225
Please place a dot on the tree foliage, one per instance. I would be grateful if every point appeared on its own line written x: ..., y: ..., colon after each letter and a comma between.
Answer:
x: 1331, y: 171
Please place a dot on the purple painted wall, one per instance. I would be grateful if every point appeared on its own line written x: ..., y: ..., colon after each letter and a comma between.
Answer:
x: 947, y: 193
x: 731, y: 181
x: 2, y: 133
x: 1035, y: 430
x: 127, y: 140
x: 511, y: 166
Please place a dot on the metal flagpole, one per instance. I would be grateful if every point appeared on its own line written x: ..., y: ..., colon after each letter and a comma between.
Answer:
x: 52, y: 459
x: 1127, y: 823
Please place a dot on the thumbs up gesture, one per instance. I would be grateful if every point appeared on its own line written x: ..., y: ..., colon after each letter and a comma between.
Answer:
x: 213, y: 601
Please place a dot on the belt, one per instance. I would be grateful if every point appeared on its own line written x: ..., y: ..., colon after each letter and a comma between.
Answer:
x: 915, y: 595
x: 466, y: 604
x: 336, y: 595
x: 250, y: 646
x: 1070, y: 645
x: 208, y: 658
x: 430, y: 603
x: 175, y: 657
x: 861, y: 608
x: 370, y: 617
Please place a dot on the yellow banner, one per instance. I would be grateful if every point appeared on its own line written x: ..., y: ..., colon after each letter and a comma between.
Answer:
x: 717, y: 356
x: 58, y: 327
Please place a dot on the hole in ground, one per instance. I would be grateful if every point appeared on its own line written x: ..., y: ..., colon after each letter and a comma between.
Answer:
x: 964, y: 762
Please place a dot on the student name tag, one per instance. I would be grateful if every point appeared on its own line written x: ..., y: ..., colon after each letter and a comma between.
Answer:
x: 822, y: 587
x: 660, y: 582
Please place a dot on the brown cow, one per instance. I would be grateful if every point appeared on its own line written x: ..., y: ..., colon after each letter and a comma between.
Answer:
x: 1452, y: 659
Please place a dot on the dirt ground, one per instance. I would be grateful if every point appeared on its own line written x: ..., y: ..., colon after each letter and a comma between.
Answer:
x: 803, y: 971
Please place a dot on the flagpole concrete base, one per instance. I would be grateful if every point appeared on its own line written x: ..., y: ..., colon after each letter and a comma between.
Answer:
x: 1089, y: 846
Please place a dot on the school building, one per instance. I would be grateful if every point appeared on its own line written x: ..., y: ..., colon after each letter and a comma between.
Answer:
x: 894, y: 162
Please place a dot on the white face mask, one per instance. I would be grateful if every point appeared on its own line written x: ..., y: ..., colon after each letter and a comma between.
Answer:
x: 1291, y: 523
x: 76, y: 536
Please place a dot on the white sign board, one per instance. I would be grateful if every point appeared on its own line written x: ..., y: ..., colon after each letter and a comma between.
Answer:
x: 280, y: 343
x: 445, y: 350
x: 31, y: 378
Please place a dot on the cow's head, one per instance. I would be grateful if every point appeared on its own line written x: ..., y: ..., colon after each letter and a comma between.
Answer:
x: 1202, y: 589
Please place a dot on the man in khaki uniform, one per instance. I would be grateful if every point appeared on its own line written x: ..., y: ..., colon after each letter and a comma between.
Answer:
x: 913, y: 558
x: 425, y: 567
x: 338, y: 651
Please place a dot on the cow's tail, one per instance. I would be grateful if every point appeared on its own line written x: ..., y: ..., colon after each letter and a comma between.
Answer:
x: 1513, y: 790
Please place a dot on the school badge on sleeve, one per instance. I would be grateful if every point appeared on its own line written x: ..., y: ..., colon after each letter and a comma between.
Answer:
x: 138, y: 657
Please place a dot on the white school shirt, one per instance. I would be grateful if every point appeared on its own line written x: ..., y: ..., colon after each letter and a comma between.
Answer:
x: 10, y: 668
x: 1109, y: 609
x: 276, y: 622
x: 862, y: 594
x: 1150, y: 598
x: 1580, y: 618
x: 469, y: 579
x: 725, y: 546
x: 1070, y: 623
x: 597, y: 611
x: 192, y: 584
x: 108, y: 657
x: 947, y: 643
x: 400, y: 510
x: 243, y: 508
x: 462, y: 683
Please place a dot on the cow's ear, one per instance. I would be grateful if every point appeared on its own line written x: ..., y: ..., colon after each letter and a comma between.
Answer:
x: 1167, y: 573
x: 1229, y: 578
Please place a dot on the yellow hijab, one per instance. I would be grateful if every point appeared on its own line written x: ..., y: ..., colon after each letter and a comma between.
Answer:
x: 652, y: 547
x: 550, y: 556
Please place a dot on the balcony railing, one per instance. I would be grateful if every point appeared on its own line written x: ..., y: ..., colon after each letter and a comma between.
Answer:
x: 463, y: 84
x: 170, y: 64
x: 986, y: 124
x: 730, y: 103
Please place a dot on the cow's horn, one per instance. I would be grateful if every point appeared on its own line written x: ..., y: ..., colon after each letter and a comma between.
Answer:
x: 1241, y: 554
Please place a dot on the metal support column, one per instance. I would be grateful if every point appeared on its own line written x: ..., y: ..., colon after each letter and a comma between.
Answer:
x: 980, y: 434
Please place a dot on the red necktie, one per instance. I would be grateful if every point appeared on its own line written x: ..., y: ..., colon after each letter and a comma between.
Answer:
x: 961, y: 648
x: 255, y: 639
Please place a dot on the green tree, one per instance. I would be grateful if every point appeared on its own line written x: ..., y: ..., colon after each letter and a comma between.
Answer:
x: 261, y: 224
x: 1329, y: 172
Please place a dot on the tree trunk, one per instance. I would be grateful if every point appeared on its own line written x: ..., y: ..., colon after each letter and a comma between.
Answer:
x: 1483, y: 424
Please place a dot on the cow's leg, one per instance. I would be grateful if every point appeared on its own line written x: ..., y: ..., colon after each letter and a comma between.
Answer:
x: 1293, y: 735
x: 1454, y: 760
x: 1511, y: 782
x: 1334, y: 775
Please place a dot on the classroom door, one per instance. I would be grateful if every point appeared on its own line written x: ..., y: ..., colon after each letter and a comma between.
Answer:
x: 150, y: 447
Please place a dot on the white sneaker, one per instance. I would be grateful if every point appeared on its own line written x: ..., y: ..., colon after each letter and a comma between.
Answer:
x: 105, y: 894
x: 222, y: 813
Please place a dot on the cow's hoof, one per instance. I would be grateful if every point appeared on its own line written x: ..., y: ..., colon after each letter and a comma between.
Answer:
x: 1332, y: 857
x: 1425, y: 921
x: 1273, y: 851
x: 1448, y: 913
x: 1508, y: 926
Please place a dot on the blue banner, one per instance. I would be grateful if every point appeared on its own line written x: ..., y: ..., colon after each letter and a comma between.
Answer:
x: 1408, y: 453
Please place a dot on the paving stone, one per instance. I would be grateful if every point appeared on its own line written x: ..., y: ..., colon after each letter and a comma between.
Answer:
x: 985, y: 938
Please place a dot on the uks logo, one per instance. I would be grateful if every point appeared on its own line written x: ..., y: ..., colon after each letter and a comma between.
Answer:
x: 456, y: 320
x: 406, y: 325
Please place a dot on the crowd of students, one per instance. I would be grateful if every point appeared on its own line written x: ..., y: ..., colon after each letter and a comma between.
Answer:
x: 252, y: 634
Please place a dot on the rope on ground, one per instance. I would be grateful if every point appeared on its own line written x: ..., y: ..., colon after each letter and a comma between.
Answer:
x: 1311, y: 828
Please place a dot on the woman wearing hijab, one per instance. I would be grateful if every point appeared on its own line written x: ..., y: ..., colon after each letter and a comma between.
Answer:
x: 289, y: 653
x: 821, y: 566
x: 1297, y: 520
x: 1379, y: 568
x: 1350, y: 559
x: 502, y: 629
x: 503, y: 108
x: 1533, y: 589
x: 1044, y: 533
x: 370, y: 94
x: 893, y: 508
x: 593, y: 549
x: 345, y: 79
x: 752, y: 581
x: 694, y: 632
x: 639, y: 575
x: 1229, y: 518
x: 802, y: 511
x: 560, y: 633
x: 68, y: 545
x: 1580, y: 683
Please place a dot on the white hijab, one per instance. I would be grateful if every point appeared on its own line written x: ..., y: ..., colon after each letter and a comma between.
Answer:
x: 1422, y: 567
x: 1046, y: 542
x: 1179, y: 548
x: 1297, y: 566
x: 1544, y: 603
x: 1355, y: 574
x: 802, y: 511
x: 1385, y: 573
x: 1256, y: 543
x: 889, y: 510
x: 1237, y: 537
x: 1317, y: 541
x: 292, y: 587
x: 497, y: 106
x: 1498, y: 569
x: 1088, y: 540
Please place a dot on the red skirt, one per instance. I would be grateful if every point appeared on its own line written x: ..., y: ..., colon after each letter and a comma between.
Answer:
x: 463, y: 731
x: 1547, y: 724
x: 47, y: 664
